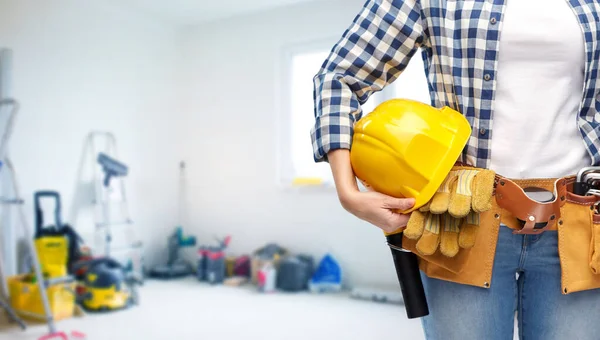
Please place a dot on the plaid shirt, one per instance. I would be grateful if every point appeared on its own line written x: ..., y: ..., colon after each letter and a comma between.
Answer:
x: 458, y: 41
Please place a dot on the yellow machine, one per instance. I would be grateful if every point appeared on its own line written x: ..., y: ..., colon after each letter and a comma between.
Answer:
x: 53, y: 252
x: 51, y: 242
x: 406, y: 148
x: 105, y: 298
x: 106, y: 286
x: 55, y: 246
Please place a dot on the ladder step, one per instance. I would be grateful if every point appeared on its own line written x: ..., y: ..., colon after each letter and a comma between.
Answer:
x: 101, y: 225
x: 59, y: 280
x: 7, y: 201
x: 137, y: 245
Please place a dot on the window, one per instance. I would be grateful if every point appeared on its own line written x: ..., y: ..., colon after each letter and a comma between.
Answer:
x: 296, y: 153
x: 303, y: 68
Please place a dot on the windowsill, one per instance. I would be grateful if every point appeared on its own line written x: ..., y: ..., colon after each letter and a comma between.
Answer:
x: 323, y: 187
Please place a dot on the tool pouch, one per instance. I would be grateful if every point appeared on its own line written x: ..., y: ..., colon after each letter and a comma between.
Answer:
x: 472, y: 266
x: 595, y: 248
x: 579, y: 243
x: 572, y: 216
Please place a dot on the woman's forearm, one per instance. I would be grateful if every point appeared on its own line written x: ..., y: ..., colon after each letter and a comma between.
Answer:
x: 345, y: 180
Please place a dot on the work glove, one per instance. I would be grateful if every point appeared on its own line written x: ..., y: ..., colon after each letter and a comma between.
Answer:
x: 450, y: 220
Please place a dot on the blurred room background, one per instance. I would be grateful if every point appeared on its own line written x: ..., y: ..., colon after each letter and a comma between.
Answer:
x: 179, y: 131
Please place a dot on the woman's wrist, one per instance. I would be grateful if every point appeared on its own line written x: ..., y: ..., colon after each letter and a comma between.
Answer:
x: 344, y: 178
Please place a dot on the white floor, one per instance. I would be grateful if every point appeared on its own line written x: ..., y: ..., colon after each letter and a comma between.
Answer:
x: 190, y: 310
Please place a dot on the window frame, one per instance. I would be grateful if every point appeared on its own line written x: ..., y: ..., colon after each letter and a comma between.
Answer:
x: 285, y: 163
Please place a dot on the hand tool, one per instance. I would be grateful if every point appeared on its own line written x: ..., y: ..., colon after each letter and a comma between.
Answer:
x: 591, y: 179
x: 580, y: 187
x: 593, y: 192
x: 409, y: 277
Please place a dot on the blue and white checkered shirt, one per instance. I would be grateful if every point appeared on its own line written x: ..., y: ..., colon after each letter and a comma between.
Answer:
x: 459, y: 42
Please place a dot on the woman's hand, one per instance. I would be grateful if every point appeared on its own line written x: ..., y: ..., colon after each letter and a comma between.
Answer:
x: 373, y: 207
x: 378, y: 209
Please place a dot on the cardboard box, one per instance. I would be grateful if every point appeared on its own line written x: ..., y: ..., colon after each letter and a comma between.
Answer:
x: 235, y: 281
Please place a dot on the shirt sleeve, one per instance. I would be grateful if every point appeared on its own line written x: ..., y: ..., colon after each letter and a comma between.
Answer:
x: 371, y: 54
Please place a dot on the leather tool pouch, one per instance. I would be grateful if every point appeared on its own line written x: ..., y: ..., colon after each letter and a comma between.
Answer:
x: 579, y: 243
x: 470, y: 266
x: 572, y: 216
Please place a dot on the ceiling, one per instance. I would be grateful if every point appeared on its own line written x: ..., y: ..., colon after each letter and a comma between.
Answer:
x: 190, y: 12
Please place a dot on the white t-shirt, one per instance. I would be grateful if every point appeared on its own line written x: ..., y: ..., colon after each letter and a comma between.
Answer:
x: 539, y: 89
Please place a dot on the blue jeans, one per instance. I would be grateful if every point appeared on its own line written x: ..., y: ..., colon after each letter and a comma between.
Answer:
x: 460, y: 312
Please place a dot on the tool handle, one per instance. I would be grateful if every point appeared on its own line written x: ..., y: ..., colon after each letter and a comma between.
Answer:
x: 580, y: 188
x: 409, y: 277
x: 39, y: 214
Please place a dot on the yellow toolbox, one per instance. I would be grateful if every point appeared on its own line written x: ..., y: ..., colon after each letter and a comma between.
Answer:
x: 25, y: 298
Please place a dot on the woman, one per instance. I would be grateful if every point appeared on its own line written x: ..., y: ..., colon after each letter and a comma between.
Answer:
x: 524, y: 73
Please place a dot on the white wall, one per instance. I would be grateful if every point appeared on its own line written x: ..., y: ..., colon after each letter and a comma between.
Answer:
x: 80, y: 66
x: 207, y: 94
x: 230, y: 122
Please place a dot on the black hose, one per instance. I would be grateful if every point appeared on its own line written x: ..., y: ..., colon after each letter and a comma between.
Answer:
x: 409, y: 277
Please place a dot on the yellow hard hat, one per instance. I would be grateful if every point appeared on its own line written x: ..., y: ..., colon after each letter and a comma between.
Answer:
x: 405, y: 148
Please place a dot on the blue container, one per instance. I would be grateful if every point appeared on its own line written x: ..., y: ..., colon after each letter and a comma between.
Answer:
x: 327, y: 277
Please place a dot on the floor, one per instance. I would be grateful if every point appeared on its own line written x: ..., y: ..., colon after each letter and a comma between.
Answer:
x: 187, y: 309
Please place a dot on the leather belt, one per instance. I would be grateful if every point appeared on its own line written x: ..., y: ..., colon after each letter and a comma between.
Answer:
x: 528, y: 216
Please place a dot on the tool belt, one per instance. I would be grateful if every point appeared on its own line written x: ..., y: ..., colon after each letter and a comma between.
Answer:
x: 573, y: 217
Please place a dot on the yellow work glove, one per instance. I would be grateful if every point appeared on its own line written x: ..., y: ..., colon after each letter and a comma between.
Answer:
x: 450, y: 220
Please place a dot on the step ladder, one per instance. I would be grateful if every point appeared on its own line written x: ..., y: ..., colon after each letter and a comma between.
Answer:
x: 16, y: 200
x: 109, y: 192
x: 111, y: 216
x: 4, y: 294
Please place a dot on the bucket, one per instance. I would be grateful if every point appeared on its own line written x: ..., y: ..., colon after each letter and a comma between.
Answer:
x: 26, y: 300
